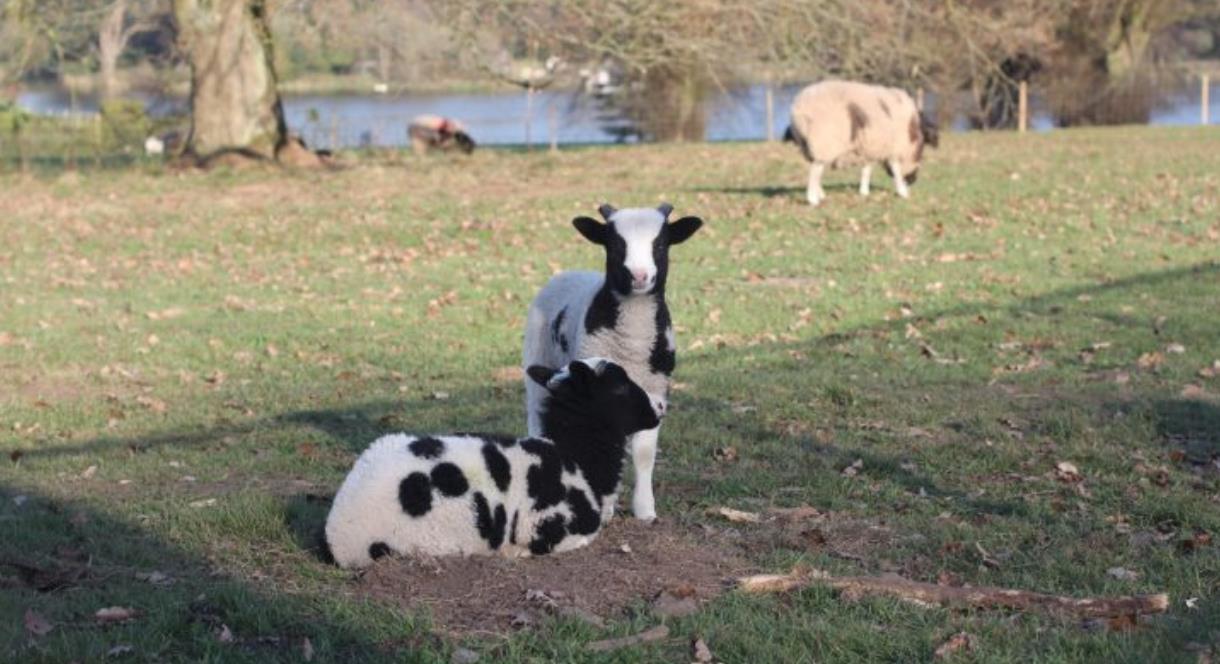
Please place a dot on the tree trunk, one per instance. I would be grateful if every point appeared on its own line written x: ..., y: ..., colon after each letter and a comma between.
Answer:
x: 110, y: 42
x: 234, y: 102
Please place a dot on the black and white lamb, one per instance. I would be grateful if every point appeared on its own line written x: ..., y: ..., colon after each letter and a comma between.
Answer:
x: 470, y: 494
x: 619, y: 314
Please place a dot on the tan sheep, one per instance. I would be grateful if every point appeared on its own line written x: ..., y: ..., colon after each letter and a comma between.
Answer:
x: 843, y: 123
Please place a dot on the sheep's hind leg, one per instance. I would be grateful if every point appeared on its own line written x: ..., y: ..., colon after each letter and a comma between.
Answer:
x: 643, y: 456
x: 900, y: 183
x: 866, y: 175
x: 814, y: 192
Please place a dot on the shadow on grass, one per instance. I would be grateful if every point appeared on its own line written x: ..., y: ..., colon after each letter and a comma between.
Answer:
x: 173, y: 627
x: 64, y: 560
x: 781, y: 191
x: 354, y: 427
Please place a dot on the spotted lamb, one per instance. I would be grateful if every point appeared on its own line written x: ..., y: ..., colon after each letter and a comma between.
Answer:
x: 470, y: 494
x: 620, y: 314
x: 843, y: 123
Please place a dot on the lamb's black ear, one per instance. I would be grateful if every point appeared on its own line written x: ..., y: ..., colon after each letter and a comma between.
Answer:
x: 540, y: 374
x: 593, y: 230
x: 683, y: 228
x: 581, y: 373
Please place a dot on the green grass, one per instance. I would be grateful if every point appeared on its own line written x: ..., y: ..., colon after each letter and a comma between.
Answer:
x: 239, y: 337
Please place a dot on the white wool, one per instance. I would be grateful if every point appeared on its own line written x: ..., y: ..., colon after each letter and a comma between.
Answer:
x: 639, y: 227
x: 822, y: 120
x: 367, y: 510
x: 628, y: 343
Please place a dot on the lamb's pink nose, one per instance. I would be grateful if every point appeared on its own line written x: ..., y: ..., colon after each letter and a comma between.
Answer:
x: 639, y: 277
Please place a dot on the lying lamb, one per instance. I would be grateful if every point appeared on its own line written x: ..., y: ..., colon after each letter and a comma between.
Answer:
x: 841, y: 123
x: 620, y: 314
x: 468, y: 494
x: 429, y: 132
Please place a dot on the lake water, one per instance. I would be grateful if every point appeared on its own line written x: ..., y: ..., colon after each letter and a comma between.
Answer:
x: 354, y: 120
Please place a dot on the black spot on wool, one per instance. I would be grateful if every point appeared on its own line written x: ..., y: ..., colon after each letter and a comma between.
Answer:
x: 603, y: 311
x: 512, y: 530
x: 585, y: 519
x: 415, y: 494
x: 379, y: 550
x: 497, y: 466
x: 859, y: 119
x: 662, y: 359
x: 557, y: 335
x: 544, y: 480
x: 427, y: 448
x: 491, y: 527
x: 449, y: 480
x: 548, y: 534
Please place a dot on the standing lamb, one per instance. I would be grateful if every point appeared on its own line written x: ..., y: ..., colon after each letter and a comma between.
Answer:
x: 467, y: 494
x: 842, y: 123
x: 619, y: 314
x: 429, y: 132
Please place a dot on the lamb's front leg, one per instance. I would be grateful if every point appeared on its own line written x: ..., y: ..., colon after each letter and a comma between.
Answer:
x: 866, y: 174
x: 643, y: 456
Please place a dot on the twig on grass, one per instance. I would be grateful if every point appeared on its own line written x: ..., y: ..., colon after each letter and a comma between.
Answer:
x: 984, y: 597
x: 655, y: 634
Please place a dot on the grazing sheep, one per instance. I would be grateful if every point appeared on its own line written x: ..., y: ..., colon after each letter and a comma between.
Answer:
x: 468, y: 494
x: 841, y: 123
x: 619, y: 314
x: 433, y: 131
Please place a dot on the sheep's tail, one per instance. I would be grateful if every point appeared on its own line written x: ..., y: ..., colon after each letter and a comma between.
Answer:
x: 789, y: 135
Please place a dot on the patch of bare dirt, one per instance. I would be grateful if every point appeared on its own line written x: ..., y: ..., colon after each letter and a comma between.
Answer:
x: 629, y: 562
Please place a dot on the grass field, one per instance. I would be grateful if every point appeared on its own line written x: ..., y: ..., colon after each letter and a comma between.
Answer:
x: 190, y: 362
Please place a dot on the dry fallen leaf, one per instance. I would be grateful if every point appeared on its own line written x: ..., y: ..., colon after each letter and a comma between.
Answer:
x: 1122, y: 574
x: 961, y: 641
x: 700, y: 652
x: 120, y: 650
x: 1150, y: 360
x: 738, y: 516
x: 224, y: 634
x: 1066, y: 471
x: 89, y: 472
x: 854, y: 468
x: 113, y: 614
x: 307, y: 650
x: 725, y: 454
x: 35, y: 624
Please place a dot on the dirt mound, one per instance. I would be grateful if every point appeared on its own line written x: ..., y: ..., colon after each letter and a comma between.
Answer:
x: 628, y: 563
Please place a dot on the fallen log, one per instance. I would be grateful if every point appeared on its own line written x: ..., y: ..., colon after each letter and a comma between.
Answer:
x: 981, y: 597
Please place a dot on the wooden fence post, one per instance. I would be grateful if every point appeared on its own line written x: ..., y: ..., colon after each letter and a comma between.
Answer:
x: 553, y: 125
x: 770, y: 112
x: 1204, y: 101
x: 1023, y: 107
x: 919, y: 99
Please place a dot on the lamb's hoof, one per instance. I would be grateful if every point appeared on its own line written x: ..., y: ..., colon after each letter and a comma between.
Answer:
x: 646, y: 516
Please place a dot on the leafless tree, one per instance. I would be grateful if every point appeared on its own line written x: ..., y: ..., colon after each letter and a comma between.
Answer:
x: 113, y: 35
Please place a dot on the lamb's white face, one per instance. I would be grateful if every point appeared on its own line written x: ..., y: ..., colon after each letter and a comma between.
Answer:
x: 639, y: 228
